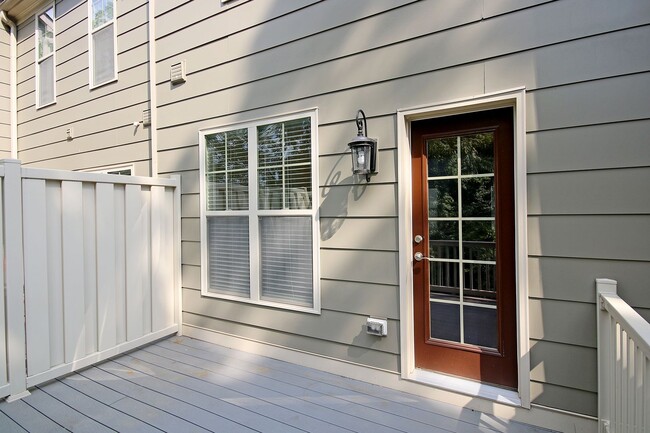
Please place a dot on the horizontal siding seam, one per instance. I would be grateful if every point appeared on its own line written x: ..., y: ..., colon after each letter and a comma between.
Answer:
x: 582, y: 214
x: 513, y: 11
x: 559, y: 385
x: 82, y: 119
x: 288, y: 42
x: 349, y: 344
x: 242, y: 29
x: 571, y: 301
x: 58, y: 158
x: 581, y: 170
x: 385, y: 80
x: 539, y: 256
x: 83, y: 152
x: 373, y: 284
x: 354, y: 87
x: 582, y: 346
x: 79, y: 5
x: 383, y: 149
x: 587, y: 125
x: 360, y: 250
x: 169, y: 172
x: 88, y: 101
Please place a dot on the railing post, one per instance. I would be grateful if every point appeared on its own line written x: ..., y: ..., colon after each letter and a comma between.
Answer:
x: 178, y: 291
x: 15, y: 279
x: 605, y: 348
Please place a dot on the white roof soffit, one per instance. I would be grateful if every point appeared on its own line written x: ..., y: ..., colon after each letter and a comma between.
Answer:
x: 19, y: 10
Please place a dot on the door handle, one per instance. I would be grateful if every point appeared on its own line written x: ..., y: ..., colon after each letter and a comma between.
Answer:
x: 419, y: 257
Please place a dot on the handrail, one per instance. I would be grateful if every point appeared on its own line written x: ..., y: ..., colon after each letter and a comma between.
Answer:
x: 623, y: 345
x: 634, y: 325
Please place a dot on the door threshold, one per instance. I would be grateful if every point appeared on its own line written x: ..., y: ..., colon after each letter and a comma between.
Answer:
x: 466, y: 386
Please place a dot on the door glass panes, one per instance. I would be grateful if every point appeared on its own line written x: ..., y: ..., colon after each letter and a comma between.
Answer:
x: 462, y: 239
x: 226, y: 162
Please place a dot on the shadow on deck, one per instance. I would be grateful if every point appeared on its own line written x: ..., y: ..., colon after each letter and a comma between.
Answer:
x: 185, y: 385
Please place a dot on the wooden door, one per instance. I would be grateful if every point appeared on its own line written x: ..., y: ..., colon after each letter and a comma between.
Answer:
x: 464, y: 264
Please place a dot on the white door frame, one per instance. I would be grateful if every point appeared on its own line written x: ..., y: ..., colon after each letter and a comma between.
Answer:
x: 510, y: 98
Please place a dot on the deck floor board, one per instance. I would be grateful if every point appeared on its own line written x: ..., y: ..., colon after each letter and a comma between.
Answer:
x: 182, y: 384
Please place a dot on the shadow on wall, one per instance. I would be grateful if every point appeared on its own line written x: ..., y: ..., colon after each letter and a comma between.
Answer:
x: 335, y: 198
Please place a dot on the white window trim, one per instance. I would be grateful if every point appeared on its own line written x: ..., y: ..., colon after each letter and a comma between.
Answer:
x: 510, y: 98
x: 37, y: 60
x: 254, y: 213
x: 112, y: 168
x: 91, y: 53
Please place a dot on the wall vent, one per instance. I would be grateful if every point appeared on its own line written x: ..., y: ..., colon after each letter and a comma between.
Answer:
x: 146, y: 117
x: 177, y: 73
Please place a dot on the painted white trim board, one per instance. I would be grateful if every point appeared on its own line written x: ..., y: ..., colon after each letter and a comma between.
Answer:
x: 509, y: 98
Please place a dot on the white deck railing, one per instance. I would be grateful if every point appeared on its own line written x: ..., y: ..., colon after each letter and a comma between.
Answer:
x: 623, y: 364
x: 92, y: 269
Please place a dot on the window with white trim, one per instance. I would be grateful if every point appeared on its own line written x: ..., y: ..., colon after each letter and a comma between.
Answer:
x: 102, y: 41
x: 258, y: 217
x: 45, y: 64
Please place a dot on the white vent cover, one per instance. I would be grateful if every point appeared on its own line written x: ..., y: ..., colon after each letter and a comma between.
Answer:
x: 177, y: 73
x: 146, y: 117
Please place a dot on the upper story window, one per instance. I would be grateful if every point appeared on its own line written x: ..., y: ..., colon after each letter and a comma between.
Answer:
x: 103, y: 42
x: 258, y: 218
x: 45, y: 64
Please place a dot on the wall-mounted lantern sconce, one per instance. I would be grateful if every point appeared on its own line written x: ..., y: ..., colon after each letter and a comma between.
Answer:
x: 364, y: 149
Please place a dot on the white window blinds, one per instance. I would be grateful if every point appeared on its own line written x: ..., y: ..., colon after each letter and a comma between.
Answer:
x: 229, y: 264
x: 102, y: 41
x: 257, y: 186
x: 286, y: 259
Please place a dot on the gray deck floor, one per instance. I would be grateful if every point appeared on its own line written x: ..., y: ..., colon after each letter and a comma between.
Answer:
x: 186, y: 385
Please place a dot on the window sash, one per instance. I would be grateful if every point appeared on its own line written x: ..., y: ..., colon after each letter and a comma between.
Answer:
x: 102, y: 41
x: 308, y: 302
x: 45, y: 35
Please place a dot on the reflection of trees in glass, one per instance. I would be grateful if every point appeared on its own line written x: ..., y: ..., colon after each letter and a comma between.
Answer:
x: 478, y: 196
x: 477, y: 153
x: 226, y: 163
x: 284, y: 160
x: 442, y: 155
x: 46, y: 33
x: 479, y: 240
x: 443, y: 198
x: 102, y: 12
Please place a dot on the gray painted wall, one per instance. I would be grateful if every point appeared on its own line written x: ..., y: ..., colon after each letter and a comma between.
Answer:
x: 587, y: 75
x: 586, y: 71
x: 101, y: 118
